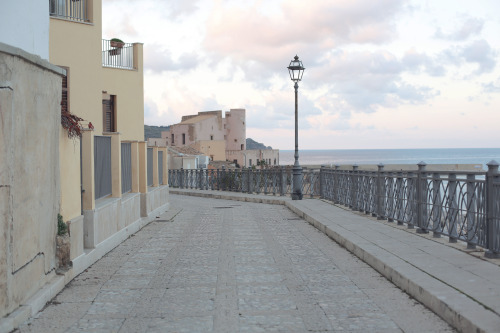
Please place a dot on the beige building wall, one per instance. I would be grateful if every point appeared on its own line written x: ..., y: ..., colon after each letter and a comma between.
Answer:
x: 216, y: 150
x: 235, y: 129
x: 271, y: 156
x: 77, y: 46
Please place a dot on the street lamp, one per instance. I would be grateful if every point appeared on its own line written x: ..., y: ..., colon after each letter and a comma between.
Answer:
x: 296, y: 71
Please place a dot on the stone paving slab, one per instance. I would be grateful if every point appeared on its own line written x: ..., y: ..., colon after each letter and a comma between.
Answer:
x: 247, y: 268
x: 457, y: 284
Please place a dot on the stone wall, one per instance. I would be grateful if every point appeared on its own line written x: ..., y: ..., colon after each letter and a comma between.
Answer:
x: 30, y: 94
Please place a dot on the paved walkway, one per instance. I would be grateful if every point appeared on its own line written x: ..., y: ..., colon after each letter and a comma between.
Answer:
x: 226, y: 266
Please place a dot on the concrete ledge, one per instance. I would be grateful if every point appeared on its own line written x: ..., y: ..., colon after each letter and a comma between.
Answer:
x: 464, y: 310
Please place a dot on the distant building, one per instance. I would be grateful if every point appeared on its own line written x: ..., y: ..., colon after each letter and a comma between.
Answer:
x: 186, y: 158
x: 221, y: 139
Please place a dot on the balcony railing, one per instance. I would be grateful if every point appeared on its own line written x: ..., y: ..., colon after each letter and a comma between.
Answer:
x: 117, y: 55
x: 75, y: 10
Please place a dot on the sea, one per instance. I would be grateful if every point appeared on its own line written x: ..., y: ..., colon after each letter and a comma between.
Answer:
x: 331, y: 157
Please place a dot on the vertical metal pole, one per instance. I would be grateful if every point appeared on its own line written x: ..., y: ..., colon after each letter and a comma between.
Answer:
x: 321, y: 181
x: 181, y: 185
x: 297, y: 170
x: 336, y: 185
x: 471, y: 212
x: 282, y: 181
x: 492, y: 227
x: 354, y: 187
x: 421, y: 197
x: 380, y: 192
x: 452, y: 208
x: 436, y: 205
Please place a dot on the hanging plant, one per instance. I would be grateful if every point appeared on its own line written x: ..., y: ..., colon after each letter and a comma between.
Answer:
x: 70, y: 122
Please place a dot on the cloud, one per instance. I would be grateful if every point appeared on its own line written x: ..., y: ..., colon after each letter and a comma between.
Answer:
x: 365, y: 81
x: 482, y: 54
x: 178, y: 9
x: 308, y: 29
x: 491, y: 87
x: 157, y: 59
x: 470, y: 27
x: 416, y: 62
x: 278, y: 111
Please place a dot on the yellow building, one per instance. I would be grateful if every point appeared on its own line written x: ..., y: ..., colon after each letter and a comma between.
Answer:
x: 110, y: 179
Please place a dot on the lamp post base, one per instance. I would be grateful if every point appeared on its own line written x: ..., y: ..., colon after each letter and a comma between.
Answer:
x: 297, y: 183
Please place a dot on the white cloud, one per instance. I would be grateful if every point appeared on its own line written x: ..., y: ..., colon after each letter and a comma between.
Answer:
x: 470, y: 27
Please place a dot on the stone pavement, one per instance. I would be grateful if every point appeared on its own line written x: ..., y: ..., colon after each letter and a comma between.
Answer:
x: 460, y: 285
x: 211, y: 265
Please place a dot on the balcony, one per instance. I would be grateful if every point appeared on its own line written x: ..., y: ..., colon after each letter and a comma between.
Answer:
x: 118, y: 55
x: 73, y: 10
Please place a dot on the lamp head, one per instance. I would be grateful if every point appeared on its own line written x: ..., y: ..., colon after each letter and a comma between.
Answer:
x: 296, y: 69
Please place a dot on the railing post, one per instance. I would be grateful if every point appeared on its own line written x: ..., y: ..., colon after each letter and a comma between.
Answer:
x: 380, y: 192
x: 265, y: 174
x: 354, y: 183
x: 492, y: 216
x: 452, y: 208
x: 181, y: 178
x: 199, y: 172
x: 321, y: 180
x: 399, y: 209
x: 471, y: 211
x: 436, y: 205
x: 282, y: 181
x: 409, y: 211
x: 390, y: 197
x: 336, y: 185
x: 421, y: 197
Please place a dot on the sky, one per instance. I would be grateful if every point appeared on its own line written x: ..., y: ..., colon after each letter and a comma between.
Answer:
x: 379, y: 74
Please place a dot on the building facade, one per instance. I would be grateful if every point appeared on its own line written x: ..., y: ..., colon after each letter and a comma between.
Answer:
x: 219, y: 138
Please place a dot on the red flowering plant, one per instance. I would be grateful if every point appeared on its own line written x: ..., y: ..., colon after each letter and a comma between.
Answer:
x: 70, y: 122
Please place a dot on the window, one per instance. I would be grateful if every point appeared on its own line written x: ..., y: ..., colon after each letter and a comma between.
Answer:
x: 250, y: 162
x: 108, y: 113
x: 242, y: 147
x: 183, y: 138
x: 172, y: 139
x: 211, y: 137
x: 75, y: 10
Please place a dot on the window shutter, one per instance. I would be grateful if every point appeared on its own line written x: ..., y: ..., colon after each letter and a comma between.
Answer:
x: 108, y: 115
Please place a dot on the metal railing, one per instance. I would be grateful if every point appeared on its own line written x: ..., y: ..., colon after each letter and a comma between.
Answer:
x: 74, y: 10
x: 102, y: 166
x: 126, y: 160
x: 160, y: 167
x: 275, y: 181
x: 117, y: 55
x: 461, y: 205
x: 150, y: 167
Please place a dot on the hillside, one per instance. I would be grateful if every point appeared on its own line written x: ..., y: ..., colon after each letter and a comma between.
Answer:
x: 154, y: 131
x: 252, y: 144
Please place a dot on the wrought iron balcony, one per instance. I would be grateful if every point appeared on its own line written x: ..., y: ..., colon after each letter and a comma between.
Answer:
x: 117, y: 55
x: 74, y: 10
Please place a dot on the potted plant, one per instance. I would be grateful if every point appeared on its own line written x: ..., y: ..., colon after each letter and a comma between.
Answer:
x: 117, y: 44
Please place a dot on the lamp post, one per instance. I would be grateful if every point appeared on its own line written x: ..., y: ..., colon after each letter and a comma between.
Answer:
x: 296, y: 71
